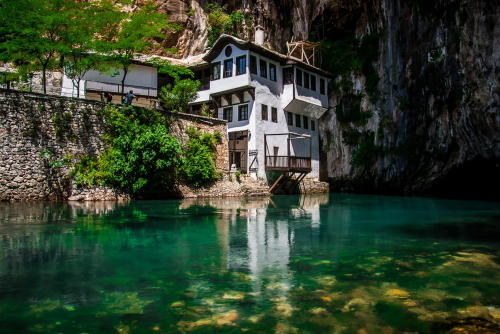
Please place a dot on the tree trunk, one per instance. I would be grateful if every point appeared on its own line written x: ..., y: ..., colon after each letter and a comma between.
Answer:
x: 78, y: 88
x: 44, y: 79
x: 125, y: 71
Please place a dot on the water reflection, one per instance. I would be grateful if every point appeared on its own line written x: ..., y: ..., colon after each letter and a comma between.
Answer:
x: 323, y: 263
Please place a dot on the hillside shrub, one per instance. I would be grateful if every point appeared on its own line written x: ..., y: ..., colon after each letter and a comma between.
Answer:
x: 198, y: 165
x: 176, y: 97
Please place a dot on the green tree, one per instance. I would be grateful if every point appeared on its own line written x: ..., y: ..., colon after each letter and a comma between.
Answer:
x: 80, y: 53
x: 198, y: 165
x: 32, y: 32
x: 176, y: 97
x: 133, y: 36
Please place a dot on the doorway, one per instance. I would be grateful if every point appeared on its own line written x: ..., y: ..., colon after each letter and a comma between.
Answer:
x: 238, y: 150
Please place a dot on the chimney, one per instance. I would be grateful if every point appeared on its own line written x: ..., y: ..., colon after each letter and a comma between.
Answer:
x: 259, y: 35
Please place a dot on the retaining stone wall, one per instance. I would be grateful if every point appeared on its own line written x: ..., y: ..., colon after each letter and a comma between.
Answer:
x: 32, y: 142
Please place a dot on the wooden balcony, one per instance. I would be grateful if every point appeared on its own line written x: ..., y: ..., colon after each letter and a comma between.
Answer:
x: 288, y: 163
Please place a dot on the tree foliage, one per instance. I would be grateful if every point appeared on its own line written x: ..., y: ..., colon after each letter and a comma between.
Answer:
x: 221, y: 22
x: 176, y: 97
x: 43, y: 35
x: 143, y: 158
x: 198, y: 166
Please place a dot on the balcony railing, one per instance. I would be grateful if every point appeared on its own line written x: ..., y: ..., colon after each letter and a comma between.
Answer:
x: 288, y: 163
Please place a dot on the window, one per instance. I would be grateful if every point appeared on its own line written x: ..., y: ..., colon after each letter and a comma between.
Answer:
x: 263, y: 69
x: 305, y: 120
x: 272, y: 72
x: 289, y: 118
x: 241, y: 65
x: 288, y: 75
x: 306, y: 80
x: 216, y: 71
x: 228, y: 68
x: 227, y: 114
x: 299, y: 77
x: 274, y: 115
x: 253, y: 65
x: 322, y: 86
x: 298, y: 120
x: 229, y: 51
x: 313, y: 82
x: 243, y: 112
x: 203, y: 77
x: 264, y: 112
x: 313, y: 125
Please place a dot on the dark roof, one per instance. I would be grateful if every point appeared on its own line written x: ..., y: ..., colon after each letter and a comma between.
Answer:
x: 224, y: 40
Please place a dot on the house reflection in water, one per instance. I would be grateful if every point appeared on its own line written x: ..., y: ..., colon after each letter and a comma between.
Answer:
x: 257, y: 235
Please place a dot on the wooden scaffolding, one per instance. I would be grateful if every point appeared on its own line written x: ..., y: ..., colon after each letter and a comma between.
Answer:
x: 307, y: 52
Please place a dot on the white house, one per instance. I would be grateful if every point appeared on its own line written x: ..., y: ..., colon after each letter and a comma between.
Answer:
x: 272, y: 103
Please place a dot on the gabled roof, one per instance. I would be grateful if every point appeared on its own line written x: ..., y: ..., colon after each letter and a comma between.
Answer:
x: 224, y: 40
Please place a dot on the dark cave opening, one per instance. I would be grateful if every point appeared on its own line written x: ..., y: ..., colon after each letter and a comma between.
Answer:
x: 475, y: 179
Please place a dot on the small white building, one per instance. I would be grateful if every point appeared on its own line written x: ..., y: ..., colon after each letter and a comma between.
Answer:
x: 272, y: 103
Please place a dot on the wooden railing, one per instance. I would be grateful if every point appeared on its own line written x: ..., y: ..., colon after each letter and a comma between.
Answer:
x: 288, y: 163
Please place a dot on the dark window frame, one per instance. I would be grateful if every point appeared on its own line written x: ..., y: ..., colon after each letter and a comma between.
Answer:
x: 289, y: 118
x: 238, y: 59
x: 212, y: 76
x: 228, y: 72
x: 305, y: 122
x: 313, y: 82
x: 288, y: 76
x: 263, y: 68
x: 264, y: 112
x: 307, y: 78
x: 243, y: 116
x: 298, y: 77
x: 229, y: 116
x: 253, y: 64
x: 272, y: 72
x: 298, y: 121
x: 313, y: 125
x: 274, y: 115
x: 322, y: 86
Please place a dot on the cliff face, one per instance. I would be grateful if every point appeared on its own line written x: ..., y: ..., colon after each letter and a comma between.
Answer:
x: 415, y: 94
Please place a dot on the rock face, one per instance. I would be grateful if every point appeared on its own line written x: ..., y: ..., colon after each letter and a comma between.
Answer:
x: 432, y: 121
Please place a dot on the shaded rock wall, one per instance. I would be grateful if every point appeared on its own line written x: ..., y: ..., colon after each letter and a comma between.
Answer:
x: 435, y: 115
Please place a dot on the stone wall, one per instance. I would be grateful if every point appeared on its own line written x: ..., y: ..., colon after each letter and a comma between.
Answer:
x: 41, y: 136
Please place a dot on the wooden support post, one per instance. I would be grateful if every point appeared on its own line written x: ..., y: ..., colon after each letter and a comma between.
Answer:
x: 288, y: 149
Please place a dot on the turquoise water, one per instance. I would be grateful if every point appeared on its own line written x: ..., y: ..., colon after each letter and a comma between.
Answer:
x: 290, y: 264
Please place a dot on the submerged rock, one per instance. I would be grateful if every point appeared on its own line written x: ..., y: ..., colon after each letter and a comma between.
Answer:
x: 178, y: 304
x: 397, y: 293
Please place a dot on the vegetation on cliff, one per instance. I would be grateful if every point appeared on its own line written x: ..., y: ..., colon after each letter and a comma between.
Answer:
x: 220, y: 22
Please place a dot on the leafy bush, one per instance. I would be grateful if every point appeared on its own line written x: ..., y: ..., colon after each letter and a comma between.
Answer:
x: 142, y: 158
x: 221, y: 22
x: 176, y: 98
x: 366, y: 152
x: 198, y: 167
x: 349, y: 111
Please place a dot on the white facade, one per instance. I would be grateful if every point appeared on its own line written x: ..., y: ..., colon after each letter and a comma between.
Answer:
x: 258, y: 90
x: 143, y: 80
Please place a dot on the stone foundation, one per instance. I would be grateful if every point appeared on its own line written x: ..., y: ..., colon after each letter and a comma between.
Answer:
x: 42, y: 136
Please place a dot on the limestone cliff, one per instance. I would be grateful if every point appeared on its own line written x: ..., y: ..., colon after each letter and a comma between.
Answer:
x: 424, y: 92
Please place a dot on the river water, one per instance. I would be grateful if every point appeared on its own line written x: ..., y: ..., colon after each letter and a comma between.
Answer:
x: 286, y: 264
